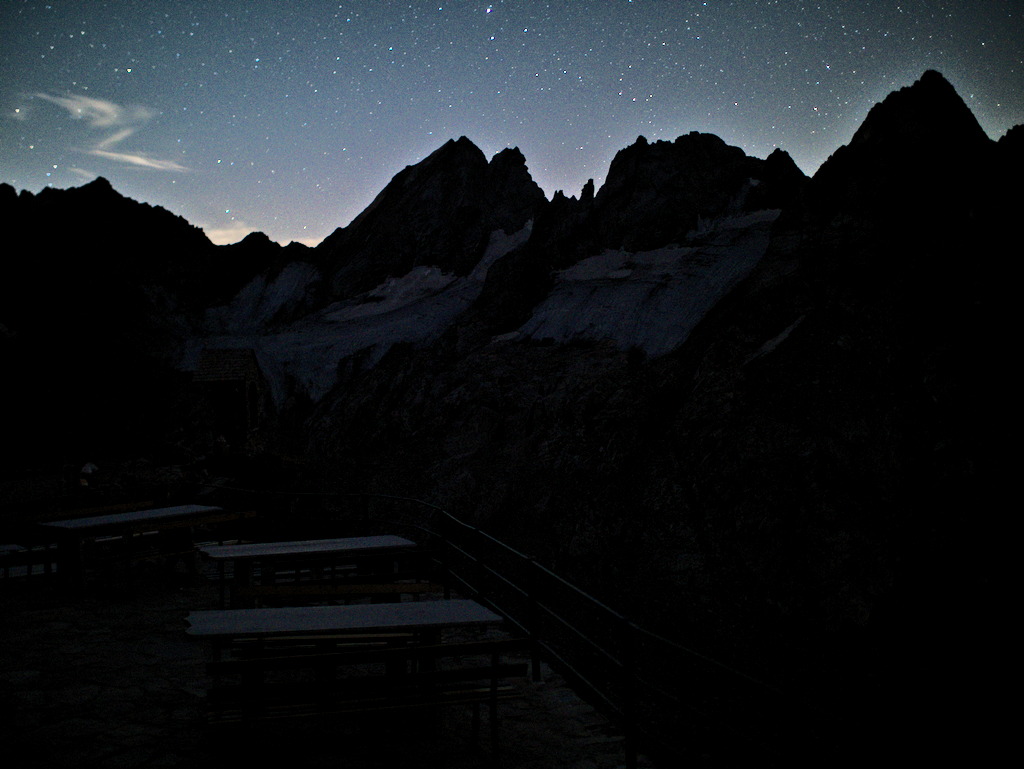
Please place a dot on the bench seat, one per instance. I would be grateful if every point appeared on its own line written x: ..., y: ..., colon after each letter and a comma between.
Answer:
x: 290, y: 593
x: 369, y: 679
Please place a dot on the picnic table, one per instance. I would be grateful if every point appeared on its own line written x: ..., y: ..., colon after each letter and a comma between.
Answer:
x: 419, y: 616
x: 72, y: 534
x: 315, y: 567
x: 365, y: 658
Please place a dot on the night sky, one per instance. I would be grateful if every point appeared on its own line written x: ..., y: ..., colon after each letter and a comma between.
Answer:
x: 289, y: 117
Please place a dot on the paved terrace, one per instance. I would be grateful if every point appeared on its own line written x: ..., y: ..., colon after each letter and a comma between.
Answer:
x: 110, y: 679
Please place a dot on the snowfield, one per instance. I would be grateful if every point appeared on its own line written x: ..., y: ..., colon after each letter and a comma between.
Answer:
x: 416, y: 307
x: 651, y: 300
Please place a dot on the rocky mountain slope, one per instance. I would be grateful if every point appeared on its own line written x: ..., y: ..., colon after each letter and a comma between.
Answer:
x: 99, y: 294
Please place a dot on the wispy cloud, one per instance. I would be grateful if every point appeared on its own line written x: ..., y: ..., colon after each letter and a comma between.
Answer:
x: 115, y: 139
x: 122, y: 122
x: 82, y: 173
x: 99, y: 113
x: 137, y: 159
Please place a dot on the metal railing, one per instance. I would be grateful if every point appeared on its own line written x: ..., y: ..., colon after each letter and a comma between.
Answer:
x: 670, y: 699
x: 667, y: 698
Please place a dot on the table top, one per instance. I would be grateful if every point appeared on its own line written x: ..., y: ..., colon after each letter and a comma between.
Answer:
x: 411, y: 615
x: 138, y: 516
x: 353, y: 545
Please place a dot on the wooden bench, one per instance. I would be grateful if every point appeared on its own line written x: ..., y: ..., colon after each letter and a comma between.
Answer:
x: 16, y: 561
x: 298, y: 592
x: 379, y: 675
x: 294, y: 646
x: 125, y: 538
x: 269, y: 573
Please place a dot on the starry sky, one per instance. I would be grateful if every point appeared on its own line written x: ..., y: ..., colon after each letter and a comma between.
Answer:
x: 290, y: 117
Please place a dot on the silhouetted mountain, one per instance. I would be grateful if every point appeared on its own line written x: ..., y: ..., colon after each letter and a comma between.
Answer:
x: 661, y: 195
x: 918, y: 136
x: 796, y: 479
x: 656, y: 194
x: 751, y: 408
x: 98, y: 295
x: 440, y: 212
x: 833, y: 448
x: 1013, y: 140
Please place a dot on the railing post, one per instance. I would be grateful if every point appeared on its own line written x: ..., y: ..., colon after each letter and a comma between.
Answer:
x: 441, y: 546
x: 363, y: 516
x: 476, y: 551
x: 533, y: 617
x: 628, y: 661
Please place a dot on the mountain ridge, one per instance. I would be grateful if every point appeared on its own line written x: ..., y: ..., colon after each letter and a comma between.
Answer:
x: 442, y: 213
x: 800, y: 482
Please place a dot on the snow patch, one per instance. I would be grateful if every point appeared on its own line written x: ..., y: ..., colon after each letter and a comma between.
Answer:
x: 258, y: 303
x: 651, y: 299
x: 394, y: 293
x: 416, y: 307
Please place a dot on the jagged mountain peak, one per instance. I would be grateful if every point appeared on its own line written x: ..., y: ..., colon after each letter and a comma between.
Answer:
x: 681, y: 156
x: 919, y: 137
x: 1014, y: 134
x: 510, y: 154
x: 256, y: 239
x: 439, y: 212
x: 690, y: 155
x: 929, y: 107
x: 99, y: 183
x: 781, y: 157
x: 454, y: 150
x: 587, y: 193
x: 655, y: 192
x: 456, y: 159
x: 97, y: 189
x: 463, y: 142
x: 8, y: 195
x: 515, y: 197
x: 1011, y: 144
x: 510, y: 158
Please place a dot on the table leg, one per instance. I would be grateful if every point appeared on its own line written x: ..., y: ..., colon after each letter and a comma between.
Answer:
x: 242, y: 578
x: 70, y: 562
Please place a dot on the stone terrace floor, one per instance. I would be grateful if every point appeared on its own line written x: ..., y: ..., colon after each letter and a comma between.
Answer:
x: 110, y: 679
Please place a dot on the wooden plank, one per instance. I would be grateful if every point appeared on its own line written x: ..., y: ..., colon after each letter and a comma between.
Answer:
x: 382, y: 649
x: 156, y: 517
x: 335, y: 590
x: 463, y: 679
x: 378, y: 545
x: 123, y: 507
x: 353, y: 618
x: 268, y: 648
x: 236, y: 713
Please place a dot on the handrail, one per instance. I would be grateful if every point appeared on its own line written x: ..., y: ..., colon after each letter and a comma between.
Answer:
x: 622, y: 687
